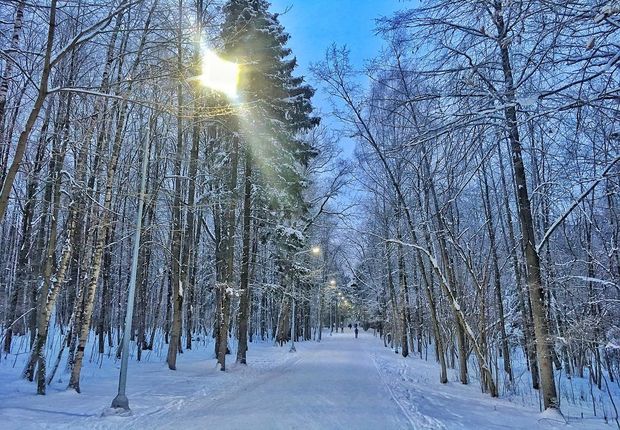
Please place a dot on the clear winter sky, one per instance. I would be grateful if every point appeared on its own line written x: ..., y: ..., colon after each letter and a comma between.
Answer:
x: 315, y: 24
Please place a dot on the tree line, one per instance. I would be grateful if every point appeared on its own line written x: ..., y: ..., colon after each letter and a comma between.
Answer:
x: 487, y: 167
x: 481, y: 222
x: 235, y: 187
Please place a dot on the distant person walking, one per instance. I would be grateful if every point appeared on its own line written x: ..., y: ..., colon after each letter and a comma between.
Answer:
x: 356, y: 331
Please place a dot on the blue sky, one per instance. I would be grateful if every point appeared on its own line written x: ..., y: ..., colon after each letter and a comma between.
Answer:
x: 315, y: 24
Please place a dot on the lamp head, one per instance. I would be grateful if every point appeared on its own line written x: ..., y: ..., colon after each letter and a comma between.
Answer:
x: 218, y: 74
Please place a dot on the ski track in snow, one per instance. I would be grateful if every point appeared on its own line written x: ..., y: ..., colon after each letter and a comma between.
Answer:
x: 415, y: 387
x: 340, y: 383
x: 403, y: 398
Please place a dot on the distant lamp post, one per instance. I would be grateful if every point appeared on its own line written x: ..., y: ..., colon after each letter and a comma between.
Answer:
x: 320, y: 304
x: 218, y: 75
x: 293, y: 328
x: 332, y: 284
x: 339, y: 298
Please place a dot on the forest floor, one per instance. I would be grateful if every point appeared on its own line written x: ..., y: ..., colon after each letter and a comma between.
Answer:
x: 339, y: 383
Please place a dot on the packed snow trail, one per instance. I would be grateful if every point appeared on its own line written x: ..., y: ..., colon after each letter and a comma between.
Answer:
x: 346, y: 383
x: 339, y: 383
x: 332, y: 386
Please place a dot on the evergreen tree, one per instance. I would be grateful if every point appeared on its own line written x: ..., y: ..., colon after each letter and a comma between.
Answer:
x: 276, y: 105
x: 274, y: 110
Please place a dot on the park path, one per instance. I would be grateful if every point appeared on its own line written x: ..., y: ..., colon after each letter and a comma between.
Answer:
x: 332, y: 385
x: 340, y: 383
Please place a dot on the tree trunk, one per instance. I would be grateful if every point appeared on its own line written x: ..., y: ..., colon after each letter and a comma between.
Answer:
x: 524, y: 302
x: 176, y: 235
x: 496, y: 276
x: 176, y: 275
x: 404, y: 290
x: 20, y: 150
x: 534, y: 280
x: 24, y: 268
x: 8, y: 67
x: 244, y: 303
x: 228, y: 255
x: 102, y: 230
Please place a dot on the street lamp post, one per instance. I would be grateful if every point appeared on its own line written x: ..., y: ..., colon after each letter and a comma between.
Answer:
x: 339, y: 314
x: 320, y: 304
x: 121, y: 401
x: 221, y: 76
x: 332, y: 285
x: 336, y: 317
x: 320, y: 301
x: 331, y: 324
x: 293, y: 328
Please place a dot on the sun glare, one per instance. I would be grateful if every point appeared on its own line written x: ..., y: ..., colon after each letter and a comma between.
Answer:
x: 219, y: 75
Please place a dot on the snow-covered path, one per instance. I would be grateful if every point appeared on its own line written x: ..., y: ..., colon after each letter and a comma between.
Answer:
x: 340, y: 383
x: 332, y: 386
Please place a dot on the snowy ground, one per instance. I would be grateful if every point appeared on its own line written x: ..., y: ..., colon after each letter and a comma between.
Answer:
x: 340, y: 383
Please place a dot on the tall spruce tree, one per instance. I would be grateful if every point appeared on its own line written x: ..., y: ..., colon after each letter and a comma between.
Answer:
x: 275, y: 109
